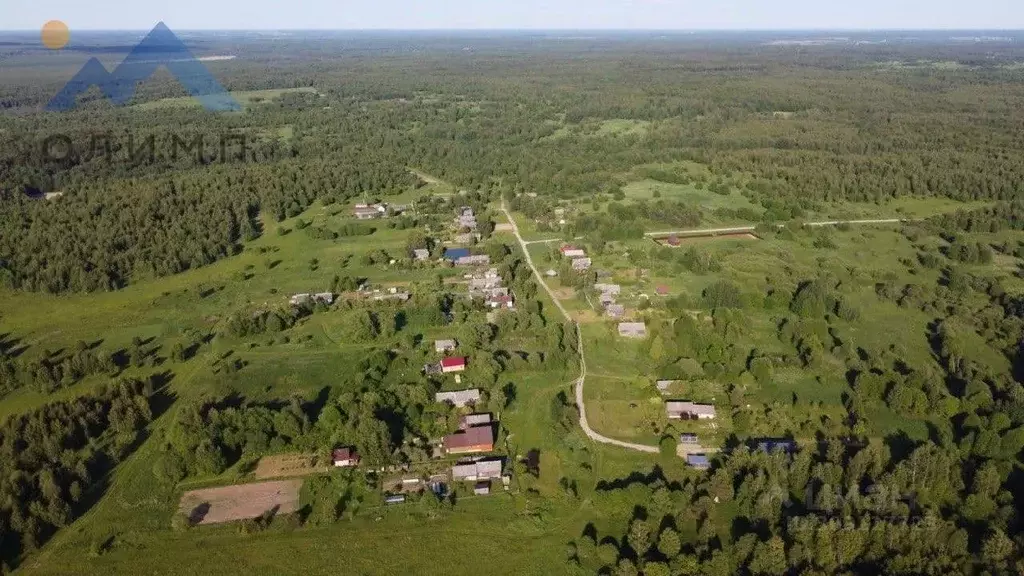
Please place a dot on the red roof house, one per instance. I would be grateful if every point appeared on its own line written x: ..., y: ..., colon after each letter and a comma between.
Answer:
x: 470, y: 440
x: 453, y: 364
x: 345, y: 457
x: 662, y: 290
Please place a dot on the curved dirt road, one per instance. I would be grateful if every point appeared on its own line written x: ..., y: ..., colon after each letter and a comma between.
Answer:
x: 579, y: 343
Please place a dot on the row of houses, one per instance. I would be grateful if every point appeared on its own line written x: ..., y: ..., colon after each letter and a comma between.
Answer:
x: 608, y: 294
x: 580, y: 262
x: 374, y: 211
x: 489, y: 286
x: 304, y: 298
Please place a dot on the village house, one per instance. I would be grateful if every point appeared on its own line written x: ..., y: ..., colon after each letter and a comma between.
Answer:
x: 299, y: 299
x: 459, y: 398
x: 345, y: 457
x: 612, y: 289
x: 454, y: 364
x: 685, y: 410
x: 470, y: 420
x: 485, y: 469
x: 471, y: 440
x: 369, y: 211
x: 466, y: 238
x: 573, y: 252
x: 687, y: 438
x: 445, y: 345
x: 698, y: 461
x: 615, y: 310
x: 606, y: 298
x: 394, y: 499
x: 580, y: 264
x: 466, y: 219
x: 482, y: 488
x: 496, y: 301
x: 483, y: 285
x: 633, y: 330
x: 477, y: 260
x: 421, y: 254
x: 430, y: 369
x: 771, y: 445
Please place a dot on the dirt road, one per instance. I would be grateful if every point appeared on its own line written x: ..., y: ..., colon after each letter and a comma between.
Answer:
x: 579, y: 339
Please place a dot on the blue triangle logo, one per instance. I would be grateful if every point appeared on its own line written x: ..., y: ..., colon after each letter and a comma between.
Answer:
x: 160, y: 47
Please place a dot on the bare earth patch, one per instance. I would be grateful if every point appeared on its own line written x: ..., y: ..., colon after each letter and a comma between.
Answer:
x: 288, y: 465
x: 240, y: 502
x: 586, y: 316
x: 565, y: 293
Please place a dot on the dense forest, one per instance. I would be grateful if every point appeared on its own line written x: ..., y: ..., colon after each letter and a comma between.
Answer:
x: 56, y: 460
x: 170, y: 190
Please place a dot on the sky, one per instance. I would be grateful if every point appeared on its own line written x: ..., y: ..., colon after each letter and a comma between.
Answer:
x: 515, y: 14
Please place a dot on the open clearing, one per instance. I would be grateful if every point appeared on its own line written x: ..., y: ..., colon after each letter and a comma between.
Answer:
x: 246, y: 98
x: 288, y: 465
x: 240, y: 502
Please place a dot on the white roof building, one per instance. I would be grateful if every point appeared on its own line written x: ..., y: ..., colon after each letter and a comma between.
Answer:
x: 633, y: 330
x: 686, y: 410
x: 479, y: 470
x: 445, y: 345
x: 459, y: 398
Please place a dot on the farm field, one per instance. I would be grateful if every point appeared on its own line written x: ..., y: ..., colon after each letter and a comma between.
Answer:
x: 247, y: 99
x: 241, y: 502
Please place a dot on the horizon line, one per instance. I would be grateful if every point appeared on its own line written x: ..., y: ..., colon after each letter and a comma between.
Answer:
x: 538, y: 29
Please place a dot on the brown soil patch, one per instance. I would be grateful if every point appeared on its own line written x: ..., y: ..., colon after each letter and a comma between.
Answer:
x: 587, y: 316
x: 704, y: 238
x: 288, y: 465
x: 564, y: 293
x: 240, y: 502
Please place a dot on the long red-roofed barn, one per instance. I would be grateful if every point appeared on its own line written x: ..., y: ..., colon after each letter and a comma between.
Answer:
x: 470, y: 440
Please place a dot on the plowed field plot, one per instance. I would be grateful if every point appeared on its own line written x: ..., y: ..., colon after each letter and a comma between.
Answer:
x: 240, y: 502
x: 288, y: 465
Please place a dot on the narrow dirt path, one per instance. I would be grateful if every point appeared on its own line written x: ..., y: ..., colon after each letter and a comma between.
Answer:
x: 579, y: 343
x: 737, y: 229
